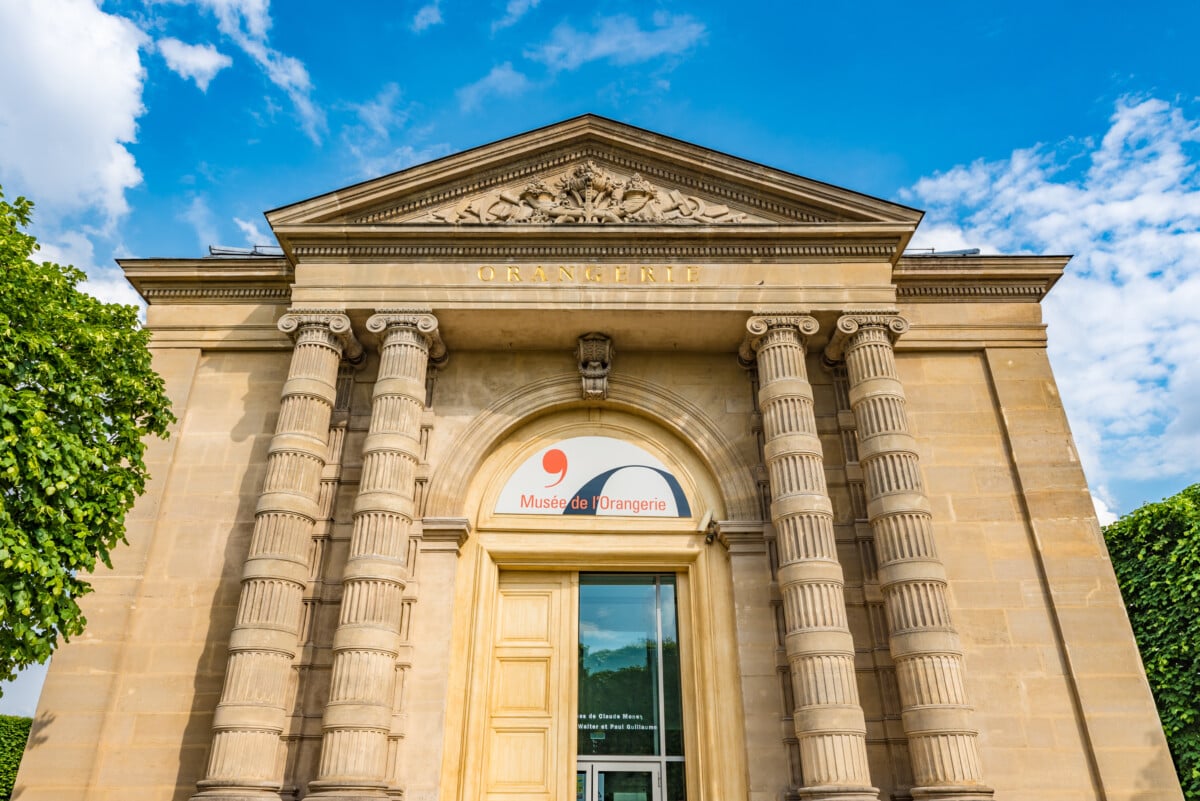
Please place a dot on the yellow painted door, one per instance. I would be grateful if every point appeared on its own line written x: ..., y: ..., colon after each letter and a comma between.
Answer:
x: 528, y: 749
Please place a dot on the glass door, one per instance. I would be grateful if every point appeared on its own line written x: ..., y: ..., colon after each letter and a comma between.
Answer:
x: 630, y: 724
x: 618, y: 781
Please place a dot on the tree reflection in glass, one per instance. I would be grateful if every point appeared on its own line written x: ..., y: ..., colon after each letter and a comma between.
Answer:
x: 622, y: 638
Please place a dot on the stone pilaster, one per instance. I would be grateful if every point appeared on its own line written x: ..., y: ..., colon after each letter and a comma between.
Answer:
x: 358, y: 715
x: 943, y: 742
x: 828, y: 717
x: 250, y: 717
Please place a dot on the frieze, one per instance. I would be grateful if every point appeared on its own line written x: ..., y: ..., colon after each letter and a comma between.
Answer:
x: 589, y: 274
x: 996, y: 292
x: 216, y: 294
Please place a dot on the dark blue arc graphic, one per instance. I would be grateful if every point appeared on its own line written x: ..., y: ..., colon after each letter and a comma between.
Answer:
x: 596, y: 485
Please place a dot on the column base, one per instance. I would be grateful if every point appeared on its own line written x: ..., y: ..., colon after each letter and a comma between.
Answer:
x: 340, y: 791
x: 837, y: 792
x: 953, y: 793
x: 211, y: 792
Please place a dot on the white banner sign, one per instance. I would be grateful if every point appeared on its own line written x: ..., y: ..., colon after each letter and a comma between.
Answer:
x: 593, y: 476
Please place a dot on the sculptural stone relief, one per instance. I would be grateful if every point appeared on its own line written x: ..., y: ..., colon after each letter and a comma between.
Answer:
x: 588, y: 194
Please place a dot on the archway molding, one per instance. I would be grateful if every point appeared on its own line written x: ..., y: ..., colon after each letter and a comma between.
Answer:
x: 453, y: 490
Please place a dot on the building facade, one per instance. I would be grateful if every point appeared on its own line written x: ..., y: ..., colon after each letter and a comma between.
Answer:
x: 591, y: 463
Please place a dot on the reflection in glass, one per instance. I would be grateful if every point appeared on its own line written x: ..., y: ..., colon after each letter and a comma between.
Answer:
x: 623, y: 785
x: 630, y: 699
x: 618, y: 666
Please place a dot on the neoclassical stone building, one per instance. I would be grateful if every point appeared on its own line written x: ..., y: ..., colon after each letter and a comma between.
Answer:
x: 594, y: 464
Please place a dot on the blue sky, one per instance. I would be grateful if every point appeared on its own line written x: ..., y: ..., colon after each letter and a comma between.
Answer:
x: 158, y: 127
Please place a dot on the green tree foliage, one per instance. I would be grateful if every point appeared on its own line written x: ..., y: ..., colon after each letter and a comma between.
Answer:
x: 77, y: 396
x: 14, y: 732
x: 1156, y: 555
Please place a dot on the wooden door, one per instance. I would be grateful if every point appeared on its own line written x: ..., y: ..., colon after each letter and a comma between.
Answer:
x: 528, y: 749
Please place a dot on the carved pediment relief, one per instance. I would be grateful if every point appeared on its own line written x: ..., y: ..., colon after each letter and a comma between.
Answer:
x: 585, y: 192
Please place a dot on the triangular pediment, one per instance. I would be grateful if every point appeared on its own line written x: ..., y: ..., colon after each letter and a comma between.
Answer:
x: 591, y: 170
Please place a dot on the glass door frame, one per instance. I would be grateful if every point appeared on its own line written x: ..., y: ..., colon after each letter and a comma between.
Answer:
x: 592, y: 767
x: 656, y: 762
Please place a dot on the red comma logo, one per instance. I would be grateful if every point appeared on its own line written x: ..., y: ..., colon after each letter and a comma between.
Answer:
x: 555, y: 462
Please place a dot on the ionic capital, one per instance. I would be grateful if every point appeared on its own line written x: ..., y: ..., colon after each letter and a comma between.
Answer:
x: 331, y: 324
x: 851, y: 323
x: 759, y: 325
x: 420, y: 320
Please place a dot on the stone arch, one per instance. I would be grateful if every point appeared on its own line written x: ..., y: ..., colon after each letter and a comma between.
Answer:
x: 733, y: 476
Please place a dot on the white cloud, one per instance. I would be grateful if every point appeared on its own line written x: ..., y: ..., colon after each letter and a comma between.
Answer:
x: 427, y: 16
x: 248, y: 24
x: 200, y: 63
x: 503, y: 80
x: 370, y: 140
x: 106, y: 282
x: 200, y: 217
x: 69, y: 106
x: 513, y: 13
x: 254, y: 234
x: 1124, y: 327
x: 620, y: 40
x: 393, y: 159
x: 1104, y: 514
x: 381, y: 114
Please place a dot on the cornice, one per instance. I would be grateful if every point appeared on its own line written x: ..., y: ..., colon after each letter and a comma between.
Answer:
x: 210, y: 281
x: 976, y: 279
x: 434, y: 242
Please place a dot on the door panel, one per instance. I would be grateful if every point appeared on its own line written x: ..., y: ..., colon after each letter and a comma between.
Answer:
x: 532, y: 681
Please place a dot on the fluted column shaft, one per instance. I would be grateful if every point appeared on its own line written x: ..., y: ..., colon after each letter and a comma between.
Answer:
x: 358, y: 715
x: 943, y: 741
x: 250, y: 716
x: 828, y: 718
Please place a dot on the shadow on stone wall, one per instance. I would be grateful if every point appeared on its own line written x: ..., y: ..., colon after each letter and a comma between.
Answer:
x: 210, y: 669
x: 1156, y: 776
x: 37, y: 737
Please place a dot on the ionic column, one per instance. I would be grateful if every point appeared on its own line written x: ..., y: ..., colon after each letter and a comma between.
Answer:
x: 943, y: 742
x: 828, y: 717
x: 250, y: 716
x: 358, y: 715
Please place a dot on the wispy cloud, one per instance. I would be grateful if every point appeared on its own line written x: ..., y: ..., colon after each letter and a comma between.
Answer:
x: 401, y: 157
x: 370, y: 141
x: 1124, y: 330
x: 200, y: 217
x: 427, y: 16
x: 503, y: 80
x: 513, y: 13
x: 619, y: 40
x: 199, y: 63
x: 248, y: 24
x: 254, y: 234
x: 382, y: 114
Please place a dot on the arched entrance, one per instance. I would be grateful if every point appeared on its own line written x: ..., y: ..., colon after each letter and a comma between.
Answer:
x: 593, y: 649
